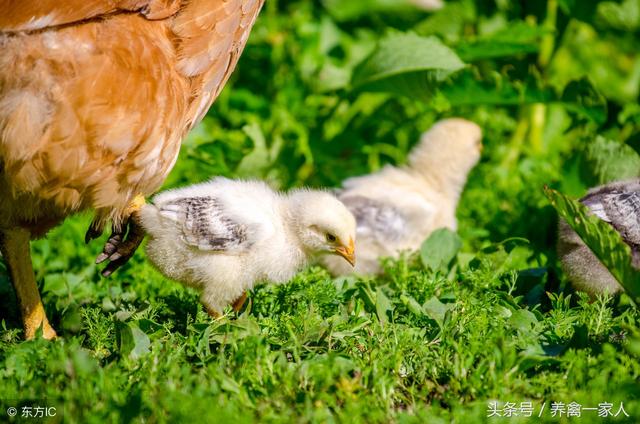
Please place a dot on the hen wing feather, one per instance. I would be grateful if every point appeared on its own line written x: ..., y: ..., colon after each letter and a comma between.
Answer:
x: 33, y: 15
x: 76, y: 81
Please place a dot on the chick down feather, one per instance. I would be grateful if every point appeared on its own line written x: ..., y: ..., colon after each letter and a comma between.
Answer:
x: 398, y: 207
x: 618, y: 204
x: 224, y: 236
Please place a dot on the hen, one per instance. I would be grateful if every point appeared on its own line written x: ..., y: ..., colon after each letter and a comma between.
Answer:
x: 95, y: 98
x: 618, y: 204
x: 223, y: 236
x: 398, y: 207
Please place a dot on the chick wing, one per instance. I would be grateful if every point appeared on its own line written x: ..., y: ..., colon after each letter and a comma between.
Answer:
x: 204, y: 225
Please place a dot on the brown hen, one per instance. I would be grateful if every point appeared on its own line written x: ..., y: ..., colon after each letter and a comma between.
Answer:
x: 95, y: 99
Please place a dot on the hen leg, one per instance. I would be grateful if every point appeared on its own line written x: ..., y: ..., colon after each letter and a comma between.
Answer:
x: 120, y: 248
x: 14, y: 245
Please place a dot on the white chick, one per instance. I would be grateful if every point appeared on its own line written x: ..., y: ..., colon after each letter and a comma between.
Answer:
x: 618, y: 204
x: 428, y: 5
x: 224, y: 236
x: 398, y: 207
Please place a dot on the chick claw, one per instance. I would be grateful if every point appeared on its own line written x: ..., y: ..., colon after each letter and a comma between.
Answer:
x: 119, y: 249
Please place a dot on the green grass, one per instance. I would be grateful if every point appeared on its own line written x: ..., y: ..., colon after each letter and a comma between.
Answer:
x: 499, y: 323
x: 318, y: 349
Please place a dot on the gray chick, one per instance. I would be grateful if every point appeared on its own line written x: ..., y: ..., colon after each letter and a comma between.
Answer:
x: 618, y: 204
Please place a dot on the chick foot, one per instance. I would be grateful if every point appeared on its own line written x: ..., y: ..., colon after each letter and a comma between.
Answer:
x: 236, y: 305
x: 212, y: 312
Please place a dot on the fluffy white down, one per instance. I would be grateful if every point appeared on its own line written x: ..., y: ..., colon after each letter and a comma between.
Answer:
x: 425, y: 192
x: 273, y: 252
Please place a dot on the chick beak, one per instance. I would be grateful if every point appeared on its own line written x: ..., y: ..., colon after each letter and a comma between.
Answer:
x: 347, y: 252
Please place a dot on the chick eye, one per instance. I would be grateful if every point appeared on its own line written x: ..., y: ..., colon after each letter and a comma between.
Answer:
x: 331, y: 238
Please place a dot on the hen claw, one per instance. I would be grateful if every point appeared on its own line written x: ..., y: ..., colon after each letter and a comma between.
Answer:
x: 93, y: 232
x: 119, y: 249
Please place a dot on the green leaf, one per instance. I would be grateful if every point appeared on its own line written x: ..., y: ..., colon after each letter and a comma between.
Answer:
x: 365, y: 293
x: 580, y: 96
x: 436, y: 309
x: 438, y: 251
x: 523, y: 320
x: 448, y: 22
x: 611, y: 160
x: 610, y: 65
x: 605, y: 242
x: 518, y: 38
x: 406, y: 64
x: 624, y: 16
x: 254, y: 164
x: 228, y: 384
x: 465, y: 89
x: 133, y: 343
x: 347, y: 10
x: 383, y: 306
x: 412, y: 305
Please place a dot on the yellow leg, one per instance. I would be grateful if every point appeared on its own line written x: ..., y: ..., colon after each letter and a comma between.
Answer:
x: 212, y: 312
x: 137, y: 204
x: 14, y: 245
x: 239, y: 303
x: 236, y: 305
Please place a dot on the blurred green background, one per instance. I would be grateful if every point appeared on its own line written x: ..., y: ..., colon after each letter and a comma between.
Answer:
x: 330, y: 89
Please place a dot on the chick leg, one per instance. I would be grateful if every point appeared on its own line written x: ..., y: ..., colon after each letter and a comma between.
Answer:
x: 237, y: 305
x: 123, y: 242
x: 239, y: 302
x: 212, y: 312
x: 14, y: 245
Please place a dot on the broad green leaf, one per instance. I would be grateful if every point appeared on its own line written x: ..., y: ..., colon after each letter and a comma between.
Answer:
x: 523, y: 320
x: 228, y: 384
x: 517, y: 38
x: 580, y: 96
x: 448, y: 22
x: 406, y: 64
x: 367, y: 296
x: 436, y: 309
x: 630, y: 114
x: 133, y: 343
x: 624, y: 16
x: 610, y: 66
x: 439, y: 250
x: 465, y: 89
x: 412, y: 304
x: 383, y: 306
x: 83, y: 363
x: 583, y: 10
x: 602, y: 239
x: 55, y: 284
x: 610, y: 160
x: 346, y: 10
x: 253, y: 164
x: 633, y: 346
